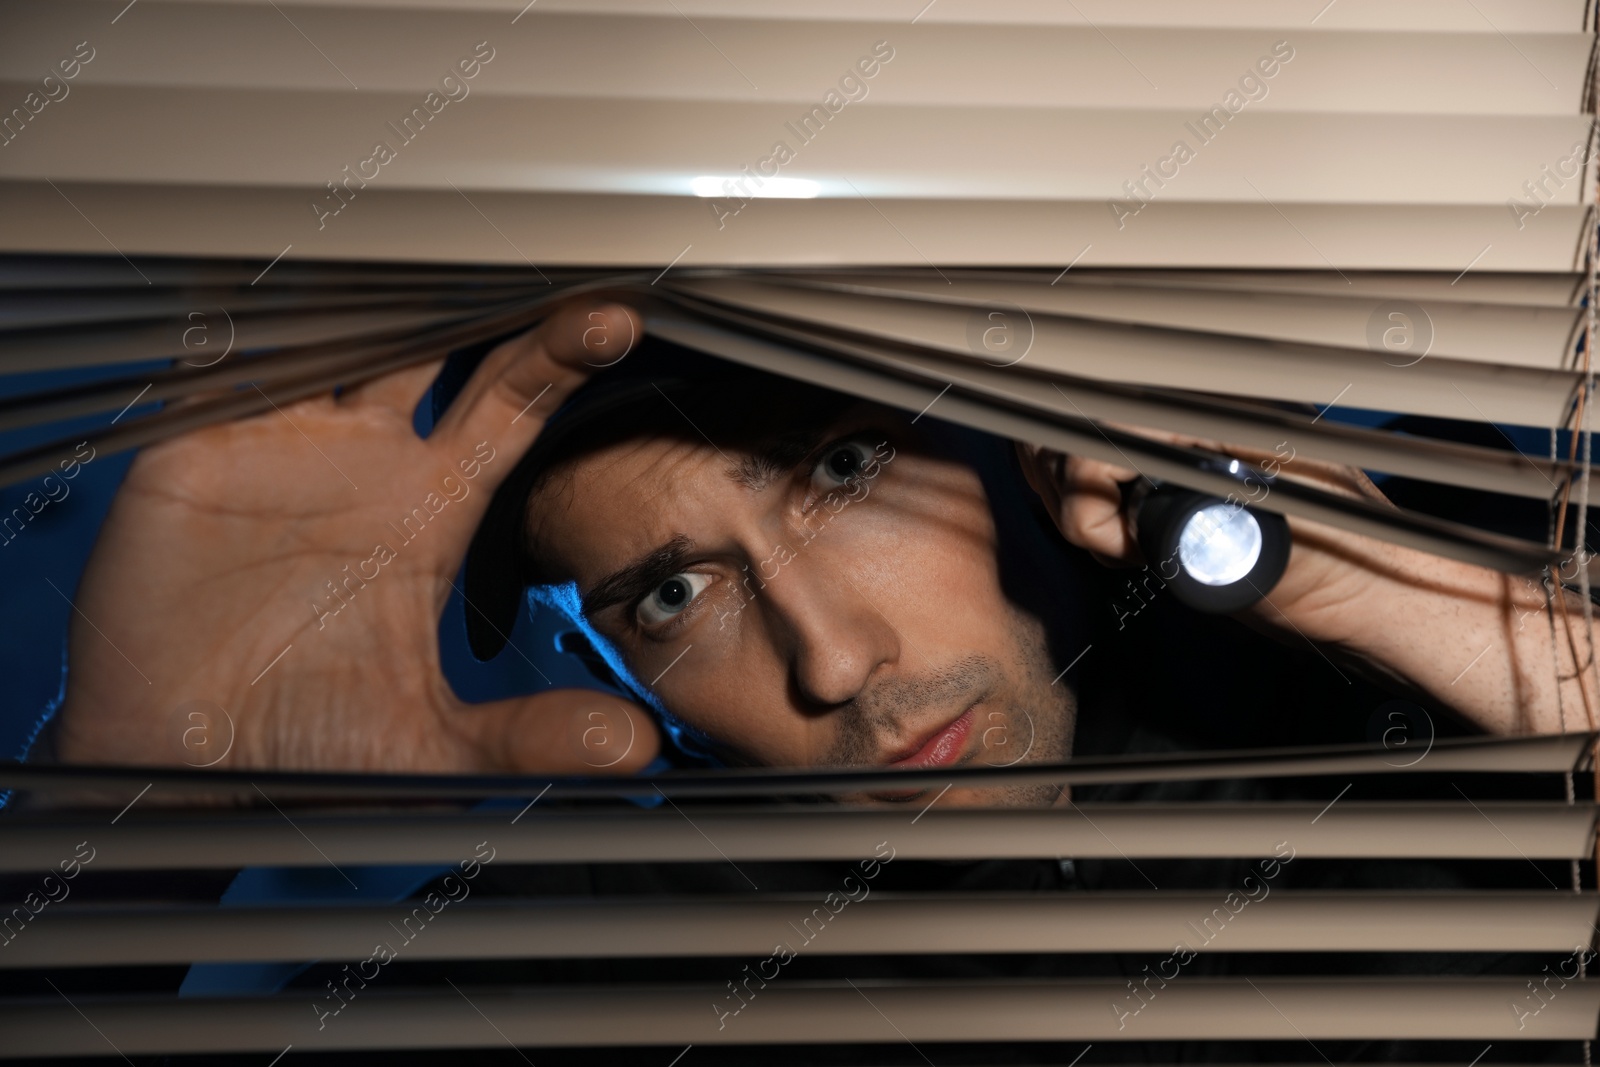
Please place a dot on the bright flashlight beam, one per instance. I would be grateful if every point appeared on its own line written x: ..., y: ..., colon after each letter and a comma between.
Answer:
x: 1220, y: 544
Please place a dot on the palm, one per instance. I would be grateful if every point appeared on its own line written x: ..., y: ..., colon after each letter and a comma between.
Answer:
x: 290, y: 569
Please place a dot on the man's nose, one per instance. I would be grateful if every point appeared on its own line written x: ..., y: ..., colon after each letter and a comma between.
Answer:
x: 834, y: 635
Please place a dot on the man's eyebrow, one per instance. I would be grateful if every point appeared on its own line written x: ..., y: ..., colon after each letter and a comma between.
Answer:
x: 776, y: 457
x: 639, y: 576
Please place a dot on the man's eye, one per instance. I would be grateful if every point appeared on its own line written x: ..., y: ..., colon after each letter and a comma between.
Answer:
x: 839, y: 464
x: 671, y: 597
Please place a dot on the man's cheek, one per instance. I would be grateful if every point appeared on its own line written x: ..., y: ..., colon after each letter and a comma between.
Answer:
x: 742, y: 704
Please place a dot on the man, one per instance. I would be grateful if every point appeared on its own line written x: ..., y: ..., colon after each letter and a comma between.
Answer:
x: 290, y: 569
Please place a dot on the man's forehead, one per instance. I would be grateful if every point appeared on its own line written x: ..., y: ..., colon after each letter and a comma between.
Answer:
x: 648, y: 485
x: 653, y: 464
x: 658, y: 459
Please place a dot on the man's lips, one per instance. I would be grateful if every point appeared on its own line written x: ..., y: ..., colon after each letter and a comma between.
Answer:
x: 944, y: 746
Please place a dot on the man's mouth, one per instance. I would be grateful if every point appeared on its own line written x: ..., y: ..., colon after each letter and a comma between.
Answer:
x: 941, y: 747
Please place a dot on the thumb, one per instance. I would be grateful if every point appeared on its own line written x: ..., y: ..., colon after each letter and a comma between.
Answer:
x: 566, y: 732
x: 524, y: 380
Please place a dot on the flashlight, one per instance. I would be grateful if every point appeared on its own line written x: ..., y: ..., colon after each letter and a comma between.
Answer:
x: 1217, y: 555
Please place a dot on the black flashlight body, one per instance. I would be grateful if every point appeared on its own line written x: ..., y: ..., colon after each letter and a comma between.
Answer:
x: 1160, y: 513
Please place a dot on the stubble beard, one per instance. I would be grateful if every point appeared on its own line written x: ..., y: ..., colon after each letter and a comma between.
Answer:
x: 1038, y: 713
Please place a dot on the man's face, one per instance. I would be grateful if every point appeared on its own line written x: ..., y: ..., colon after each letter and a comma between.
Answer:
x: 831, y: 600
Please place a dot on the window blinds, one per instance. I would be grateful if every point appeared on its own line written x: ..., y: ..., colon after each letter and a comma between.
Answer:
x: 1356, y: 136
x: 1173, y: 216
x: 1216, y: 219
x: 1342, y: 946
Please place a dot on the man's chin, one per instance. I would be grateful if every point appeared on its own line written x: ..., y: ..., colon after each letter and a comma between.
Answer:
x: 938, y: 797
x: 951, y: 796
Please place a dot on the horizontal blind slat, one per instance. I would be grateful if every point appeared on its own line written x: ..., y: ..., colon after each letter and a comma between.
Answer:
x: 1445, y: 16
x: 1286, y: 1010
x: 564, y: 146
x: 872, y: 923
x: 659, y: 54
x: 619, y: 230
x: 1505, y: 830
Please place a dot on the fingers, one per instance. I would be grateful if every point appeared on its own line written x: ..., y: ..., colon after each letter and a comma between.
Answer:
x: 1091, y: 514
x: 1033, y: 460
x: 1085, y: 499
x: 399, y: 391
x: 566, y: 732
x: 525, y: 379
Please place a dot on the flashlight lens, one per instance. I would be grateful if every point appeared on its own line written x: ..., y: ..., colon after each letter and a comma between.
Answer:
x: 1220, y: 544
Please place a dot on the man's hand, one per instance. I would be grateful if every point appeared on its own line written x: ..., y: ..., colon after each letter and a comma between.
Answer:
x: 1084, y: 497
x: 267, y: 592
x: 1466, y: 636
